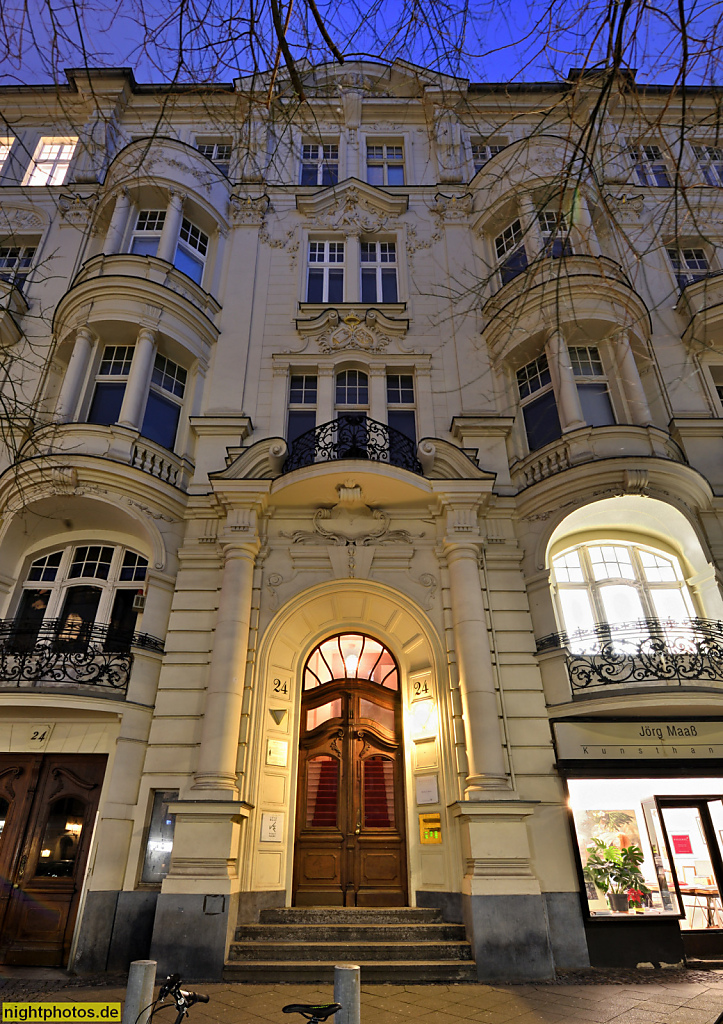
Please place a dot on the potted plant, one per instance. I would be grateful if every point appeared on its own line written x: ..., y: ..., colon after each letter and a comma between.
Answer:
x: 615, y: 871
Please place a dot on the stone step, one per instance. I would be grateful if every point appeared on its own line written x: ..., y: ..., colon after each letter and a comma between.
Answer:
x: 350, y: 915
x: 350, y: 932
x: 350, y: 952
x: 399, y: 972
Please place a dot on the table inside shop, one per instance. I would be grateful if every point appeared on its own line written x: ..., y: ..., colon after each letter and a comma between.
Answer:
x: 710, y: 894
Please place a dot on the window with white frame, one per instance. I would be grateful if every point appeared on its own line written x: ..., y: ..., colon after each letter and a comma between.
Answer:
x: 710, y: 161
x: 51, y: 161
x: 147, y: 232
x: 615, y: 583
x: 483, y: 151
x: 352, y: 402
x: 352, y: 388
x: 379, y: 272
x: 689, y: 264
x: 650, y: 166
x: 69, y: 593
x: 401, y: 413
x: 219, y: 153
x: 165, y: 395
x: 555, y: 234
x: 592, y: 388
x: 319, y: 163
x: 538, y: 403
x: 385, y: 164
x: 510, y: 251
x: 6, y: 144
x: 191, y: 247
x: 302, y: 405
x: 15, y: 263
x: 325, y: 272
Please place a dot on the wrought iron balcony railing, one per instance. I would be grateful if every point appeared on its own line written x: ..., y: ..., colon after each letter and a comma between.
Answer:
x: 646, y: 652
x: 61, y: 654
x: 353, y: 436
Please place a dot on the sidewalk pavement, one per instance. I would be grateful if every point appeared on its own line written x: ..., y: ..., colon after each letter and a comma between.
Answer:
x: 659, y: 1000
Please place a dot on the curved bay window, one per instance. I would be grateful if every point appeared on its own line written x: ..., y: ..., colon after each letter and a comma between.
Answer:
x: 68, y: 593
x: 350, y: 794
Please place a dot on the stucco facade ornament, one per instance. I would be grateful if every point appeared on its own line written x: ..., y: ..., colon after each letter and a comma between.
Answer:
x: 626, y: 208
x: 248, y: 209
x: 12, y: 220
x: 453, y: 208
x: 77, y: 209
x: 354, y: 215
x: 366, y: 330
x: 350, y: 522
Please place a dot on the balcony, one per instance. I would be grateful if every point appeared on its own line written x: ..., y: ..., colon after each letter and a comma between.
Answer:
x: 648, y: 653
x: 93, y: 659
x: 701, y: 303
x: 353, y: 436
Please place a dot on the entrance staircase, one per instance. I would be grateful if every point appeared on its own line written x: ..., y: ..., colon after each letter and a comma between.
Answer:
x: 302, y: 944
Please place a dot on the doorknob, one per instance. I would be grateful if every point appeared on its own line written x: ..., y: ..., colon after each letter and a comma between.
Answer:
x: 357, y: 830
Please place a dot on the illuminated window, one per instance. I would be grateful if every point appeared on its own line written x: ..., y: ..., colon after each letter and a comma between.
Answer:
x: 51, y: 161
x: 350, y: 656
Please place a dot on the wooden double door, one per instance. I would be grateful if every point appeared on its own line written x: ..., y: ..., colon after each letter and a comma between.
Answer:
x: 47, y: 810
x: 350, y: 847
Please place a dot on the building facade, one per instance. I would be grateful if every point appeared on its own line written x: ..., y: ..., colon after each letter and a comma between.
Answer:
x: 361, y: 514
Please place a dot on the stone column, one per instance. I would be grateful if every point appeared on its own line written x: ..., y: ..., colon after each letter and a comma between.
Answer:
x: 67, y: 403
x: 568, y: 400
x: 378, y: 392
x: 139, y: 379
x: 171, y: 227
x: 474, y: 660
x: 630, y: 379
x: 222, y: 715
x: 118, y: 223
x: 325, y: 394
x: 531, y: 231
x: 583, y: 227
x: 352, y: 269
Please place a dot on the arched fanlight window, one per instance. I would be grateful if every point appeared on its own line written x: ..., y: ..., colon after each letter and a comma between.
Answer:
x: 351, y: 656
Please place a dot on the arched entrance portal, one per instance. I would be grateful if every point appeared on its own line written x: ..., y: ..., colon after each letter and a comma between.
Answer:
x: 350, y: 845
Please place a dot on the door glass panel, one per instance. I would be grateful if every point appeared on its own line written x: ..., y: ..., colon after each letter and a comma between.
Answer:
x: 622, y: 604
x: 378, y: 782
x: 317, y: 716
x: 693, y: 866
x: 383, y: 717
x: 4, y: 808
x: 29, y: 619
x: 159, y: 844
x: 322, y: 791
x: 61, y: 839
x: 78, y: 617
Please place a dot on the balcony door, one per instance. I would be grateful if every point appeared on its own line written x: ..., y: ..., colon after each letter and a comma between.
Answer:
x: 350, y: 847
x: 47, y: 809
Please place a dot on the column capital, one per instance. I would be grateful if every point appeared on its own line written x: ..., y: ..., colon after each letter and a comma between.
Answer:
x: 146, y: 334
x: 176, y: 197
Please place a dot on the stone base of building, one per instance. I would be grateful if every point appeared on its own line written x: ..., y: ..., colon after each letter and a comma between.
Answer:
x: 191, y: 934
x: 620, y: 943
x: 116, y: 929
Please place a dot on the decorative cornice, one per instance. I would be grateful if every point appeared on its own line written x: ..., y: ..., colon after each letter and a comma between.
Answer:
x: 363, y: 329
x: 352, y: 208
x: 248, y: 209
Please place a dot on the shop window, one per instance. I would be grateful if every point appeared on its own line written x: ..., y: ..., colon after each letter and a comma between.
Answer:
x: 319, y: 163
x: 325, y: 273
x: 649, y: 166
x: 378, y: 272
x: 689, y: 264
x: 710, y: 161
x: 672, y: 828
x: 159, y: 840
x: 218, y: 153
x: 401, y: 405
x: 511, y: 254
x: 385, y: 164
x: 51, y: 161
x: 80, y: 593
x: 302, y: 405
x: 15, y: 263
x: 619, y: 587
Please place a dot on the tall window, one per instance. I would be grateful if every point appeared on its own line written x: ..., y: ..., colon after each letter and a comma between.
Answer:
x: 325, y: 274
x: 385, y: 164
x: 302, y: 405
x: 555, y: 234
x: 484, y: 151
x: 69, y: 591
x: 15, y: 263
x: 6, y: 144
x: 649, y: 166
x: 400, y: 404
x: 539, y: 407
x: 51, y: 161
x: 688, y: 265
x: 165, y: 395
x: 592, y: 385
x: 218, y: 153
x: 352, y: 400
x: 191, y: 247
x: 378, y: 272
x: 319, y: 164
x: 611, y: 583
x: 710, y: 161
x: 352, y: 388
x: 510, y: 250
x: 147, y: 232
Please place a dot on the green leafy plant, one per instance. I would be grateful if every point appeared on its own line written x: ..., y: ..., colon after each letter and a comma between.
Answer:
x: 614, y: 870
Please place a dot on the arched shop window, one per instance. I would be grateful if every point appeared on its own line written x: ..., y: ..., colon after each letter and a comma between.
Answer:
x: 611, y: 583
x: 69, y: 592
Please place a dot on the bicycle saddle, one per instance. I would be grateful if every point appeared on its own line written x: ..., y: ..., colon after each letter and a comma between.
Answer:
x: 312, y: 1011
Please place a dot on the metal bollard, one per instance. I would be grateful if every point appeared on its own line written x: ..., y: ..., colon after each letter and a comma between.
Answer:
x: 139, y: 993
x: 347, y: 991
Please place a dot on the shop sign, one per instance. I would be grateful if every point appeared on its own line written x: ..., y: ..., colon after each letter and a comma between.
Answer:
x: 642, y: 740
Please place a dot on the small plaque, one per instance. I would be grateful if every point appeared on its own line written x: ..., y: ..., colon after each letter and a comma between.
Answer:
x: 280, y: 688
x: 277, y: 753
x: 427, y: 789
x: 430, y: 829
x: 272, y: 827
x: 39, y: 736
